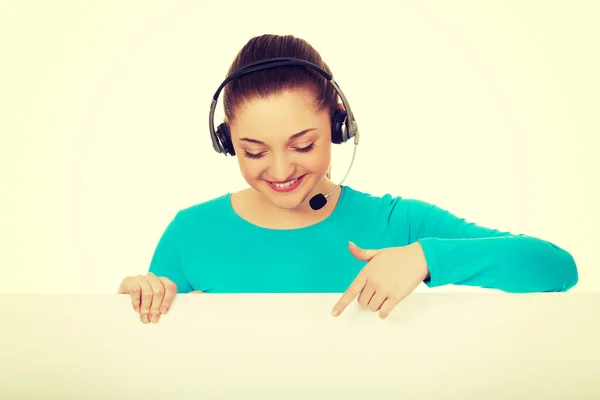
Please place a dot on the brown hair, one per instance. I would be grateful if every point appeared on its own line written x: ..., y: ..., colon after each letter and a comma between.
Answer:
x: 271, y: 81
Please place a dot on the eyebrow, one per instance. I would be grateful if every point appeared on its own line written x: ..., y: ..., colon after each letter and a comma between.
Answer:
x: 294, y: 136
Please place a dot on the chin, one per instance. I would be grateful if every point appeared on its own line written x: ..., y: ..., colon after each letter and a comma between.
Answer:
x: 290, y: 197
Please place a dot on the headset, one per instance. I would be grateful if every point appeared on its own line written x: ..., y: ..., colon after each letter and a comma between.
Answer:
x: 343, y: 123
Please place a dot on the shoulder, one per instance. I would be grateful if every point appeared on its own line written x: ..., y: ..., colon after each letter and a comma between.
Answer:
x: 386, y: 203
x: 205, y: 207
x: 207, y: 213
x: 404, y: 218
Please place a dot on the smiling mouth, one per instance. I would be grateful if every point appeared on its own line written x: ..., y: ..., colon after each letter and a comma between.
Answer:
x: 286, y: 186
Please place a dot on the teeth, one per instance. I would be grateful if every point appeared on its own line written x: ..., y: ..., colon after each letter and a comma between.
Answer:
x: 286, y: 184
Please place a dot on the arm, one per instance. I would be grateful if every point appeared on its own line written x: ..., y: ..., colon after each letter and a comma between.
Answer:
x: 462, y: 253
x: 166, y: 261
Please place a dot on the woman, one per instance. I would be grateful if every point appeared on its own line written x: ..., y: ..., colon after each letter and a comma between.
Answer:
x: 272, y: 238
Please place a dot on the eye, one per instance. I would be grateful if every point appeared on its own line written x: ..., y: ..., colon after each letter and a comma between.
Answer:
x: 306, y: 149
x: 252, y: 155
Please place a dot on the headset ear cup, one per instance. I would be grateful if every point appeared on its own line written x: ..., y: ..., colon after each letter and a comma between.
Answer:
x: 224, y: 138
x: 338, y: 127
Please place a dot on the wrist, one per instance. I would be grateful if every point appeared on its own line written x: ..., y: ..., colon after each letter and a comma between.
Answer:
x: 420, y: 260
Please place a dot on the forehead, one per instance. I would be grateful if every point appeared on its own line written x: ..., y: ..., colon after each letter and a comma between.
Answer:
x: 278, y: 116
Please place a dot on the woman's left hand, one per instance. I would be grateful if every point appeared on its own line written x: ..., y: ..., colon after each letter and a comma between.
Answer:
x: 391, y: 274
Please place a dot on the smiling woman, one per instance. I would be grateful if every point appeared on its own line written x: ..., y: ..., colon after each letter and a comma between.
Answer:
x: 282, y: 116
x: 286, y: 148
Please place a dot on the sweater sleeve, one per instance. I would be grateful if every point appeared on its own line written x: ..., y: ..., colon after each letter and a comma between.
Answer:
x: 166, y: 261
x: 459, y: 252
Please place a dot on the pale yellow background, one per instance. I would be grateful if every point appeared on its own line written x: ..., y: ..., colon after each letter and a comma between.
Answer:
x: 488, y: 109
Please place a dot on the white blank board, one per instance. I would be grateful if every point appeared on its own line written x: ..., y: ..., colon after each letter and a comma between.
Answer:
x: 433, y: 346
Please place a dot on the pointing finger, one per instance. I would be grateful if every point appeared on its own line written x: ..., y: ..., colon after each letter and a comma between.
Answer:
x: 350, y: 294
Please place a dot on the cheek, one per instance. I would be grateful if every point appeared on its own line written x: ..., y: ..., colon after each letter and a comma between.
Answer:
x: 320, y: 158
x: 251, y: 169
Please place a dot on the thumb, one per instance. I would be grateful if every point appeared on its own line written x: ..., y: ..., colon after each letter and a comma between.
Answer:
x: 361, y: 254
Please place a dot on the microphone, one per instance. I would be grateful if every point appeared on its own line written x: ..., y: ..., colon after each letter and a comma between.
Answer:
x: 318, y: 201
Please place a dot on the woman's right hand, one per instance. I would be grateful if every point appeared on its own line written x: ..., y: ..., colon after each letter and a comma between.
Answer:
x: 151, y: 295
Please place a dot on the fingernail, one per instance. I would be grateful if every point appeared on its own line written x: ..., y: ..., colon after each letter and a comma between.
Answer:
x: 164, y: 310
x: 335, y: 313
x: 145, y: 318
x: 154, y: 319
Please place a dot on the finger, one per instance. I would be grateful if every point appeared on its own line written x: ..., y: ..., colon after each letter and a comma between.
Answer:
x: 197, y: 292
x: 158, y: 293
x: 388, y: 305
x: 353, y: 290
x: 132, y: 288
x: 170, y: 293
x: 125, y: 286
x: 146, y: 297
x: 377, y: 301
x: 361, y: 254
x: 366, y: 294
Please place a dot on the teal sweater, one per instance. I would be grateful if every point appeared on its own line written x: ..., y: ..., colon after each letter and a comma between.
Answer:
x: 208, y: 247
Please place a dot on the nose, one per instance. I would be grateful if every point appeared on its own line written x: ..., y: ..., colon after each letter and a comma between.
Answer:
x: 281, y: 169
